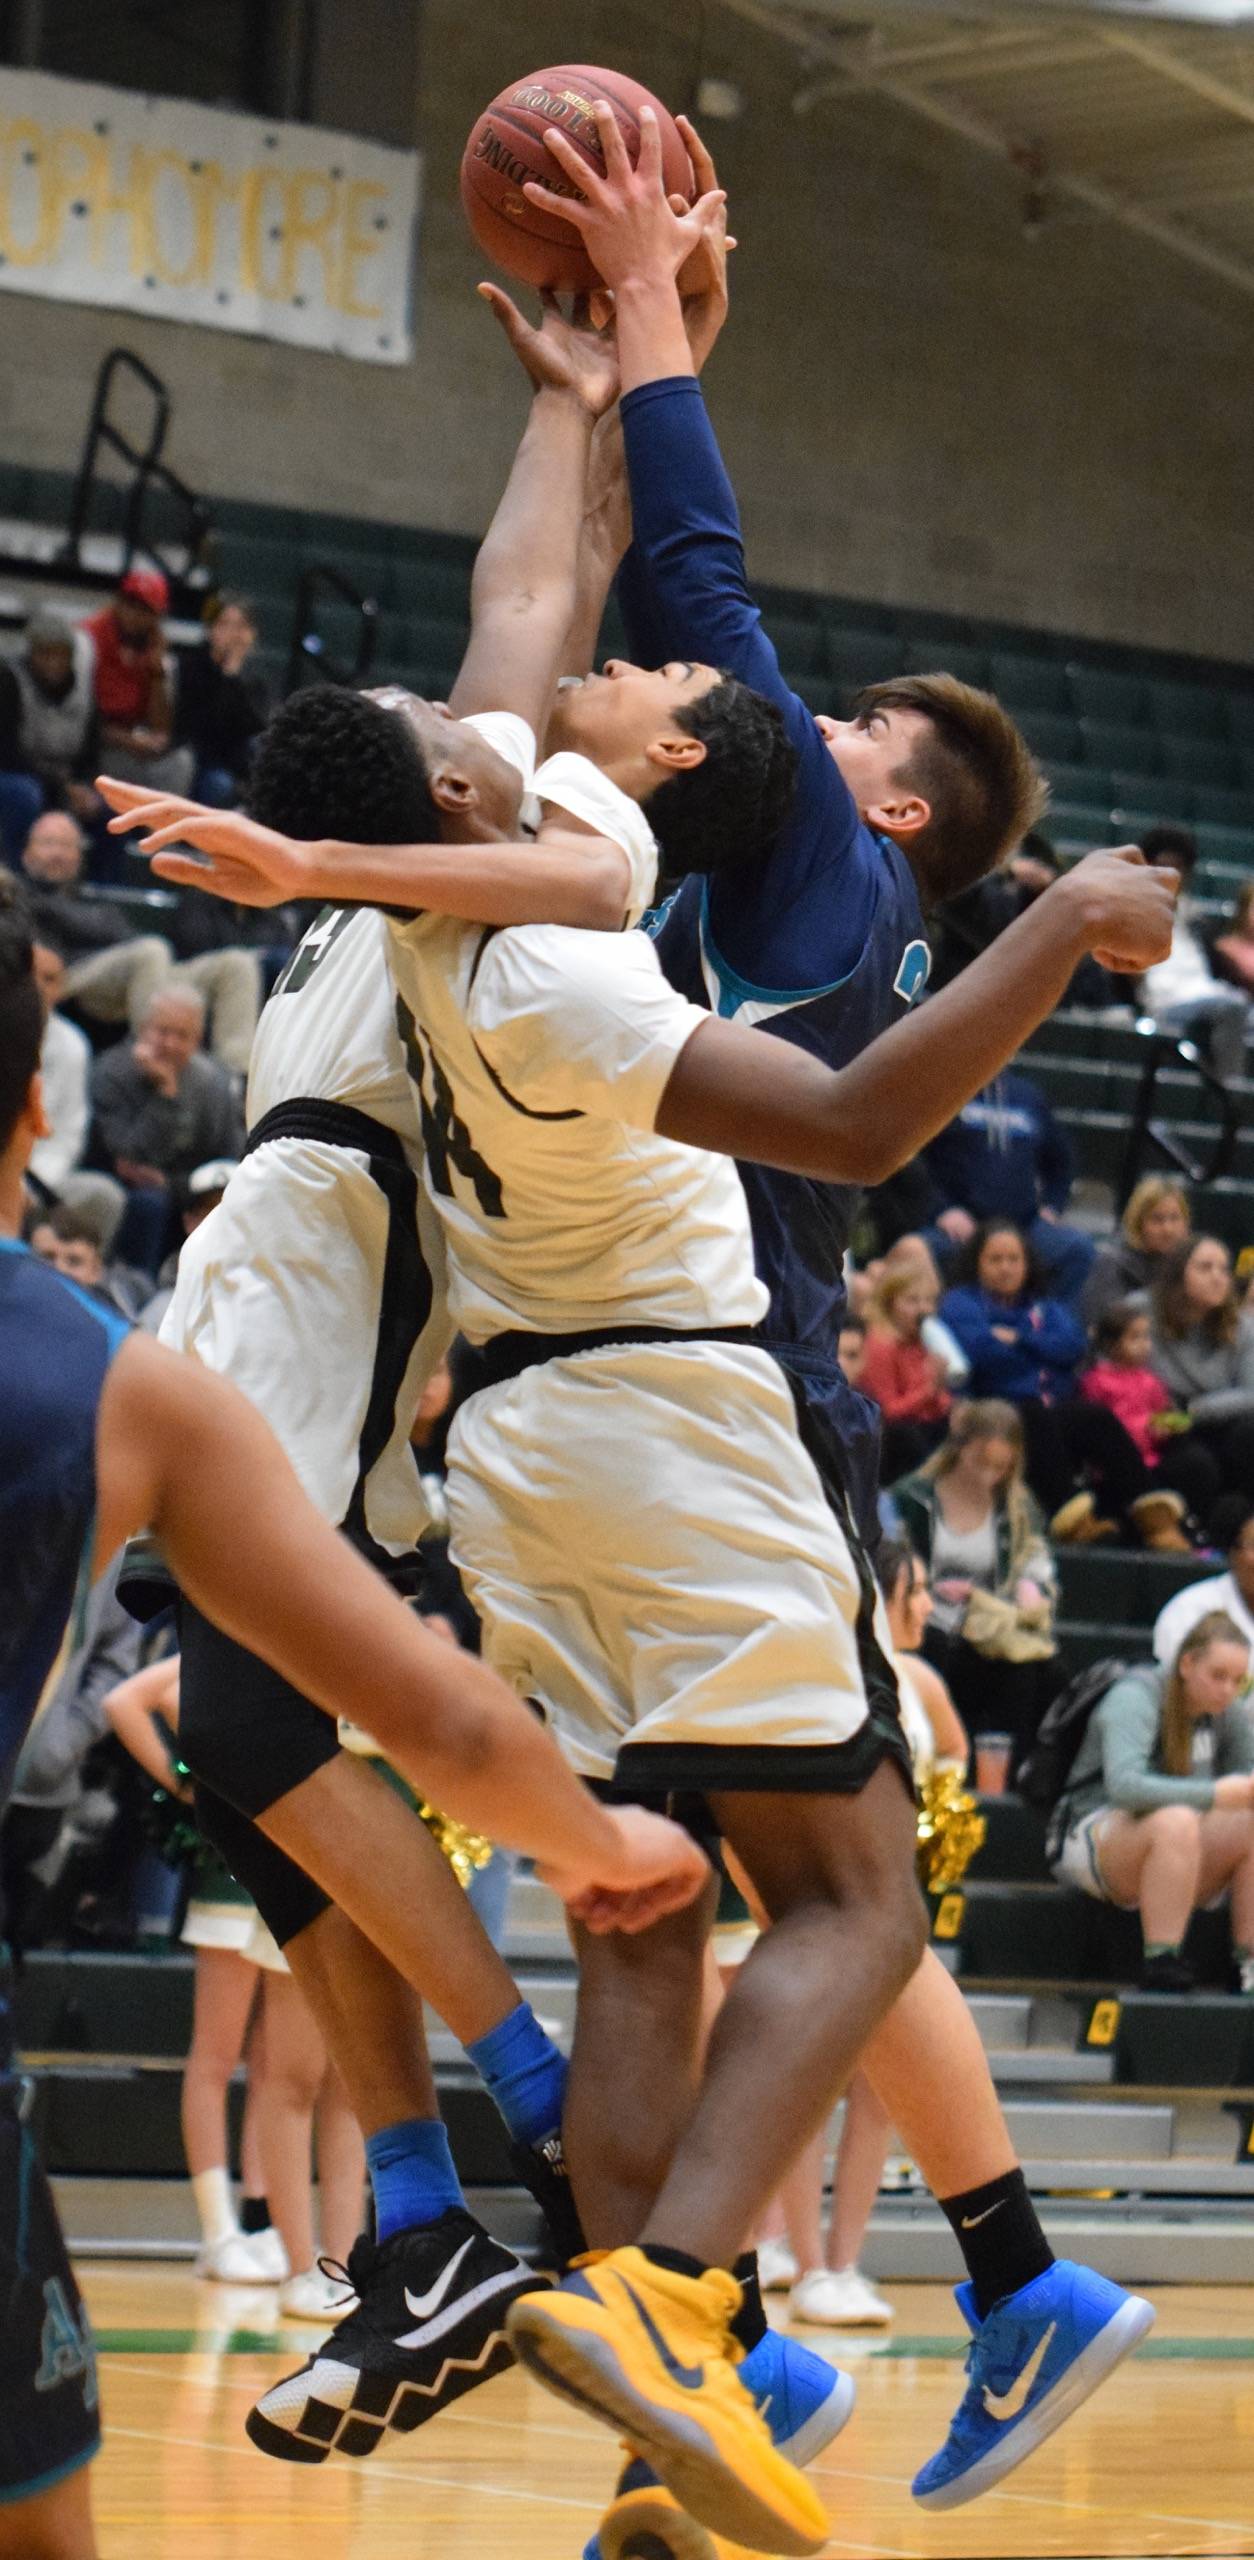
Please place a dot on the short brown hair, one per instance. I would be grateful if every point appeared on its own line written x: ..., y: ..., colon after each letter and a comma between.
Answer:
x: 979, y: 775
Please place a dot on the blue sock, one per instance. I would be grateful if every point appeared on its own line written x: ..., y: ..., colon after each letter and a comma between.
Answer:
x: 412, y: 2176
x: 524, y: 2072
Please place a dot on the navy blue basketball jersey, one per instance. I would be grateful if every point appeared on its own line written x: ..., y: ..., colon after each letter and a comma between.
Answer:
x: 56, y: 1345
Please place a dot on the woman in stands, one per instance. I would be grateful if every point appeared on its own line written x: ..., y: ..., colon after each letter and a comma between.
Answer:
x: 971, y: 1520
x: 1158, y: 1816
x: 235, y: 1955
x: 1027, y: 1348
x: 1156, y: 1220
x: 1203, y: 1350
x: 904, y: 1377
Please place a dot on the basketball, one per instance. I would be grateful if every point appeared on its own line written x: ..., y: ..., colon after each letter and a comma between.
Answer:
x: 507, y: 147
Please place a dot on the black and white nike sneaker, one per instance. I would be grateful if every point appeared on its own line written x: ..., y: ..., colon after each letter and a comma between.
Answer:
x: 542, y: 2168
x: 429, y: 2326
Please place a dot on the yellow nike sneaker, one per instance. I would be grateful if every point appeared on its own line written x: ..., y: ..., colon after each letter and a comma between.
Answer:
x: 646, y: 2522
x: 651, y: 2353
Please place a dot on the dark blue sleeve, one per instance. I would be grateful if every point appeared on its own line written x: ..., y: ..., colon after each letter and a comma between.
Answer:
x: 685, y: 595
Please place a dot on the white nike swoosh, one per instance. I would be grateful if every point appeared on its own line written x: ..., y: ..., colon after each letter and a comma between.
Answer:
x: 1010, y: 2404
x: 972, y: 2221
x: 505, y: 2282
x: 422, y: 2303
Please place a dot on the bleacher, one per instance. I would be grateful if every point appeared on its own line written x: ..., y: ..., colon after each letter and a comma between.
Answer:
x: 1135, y: 2115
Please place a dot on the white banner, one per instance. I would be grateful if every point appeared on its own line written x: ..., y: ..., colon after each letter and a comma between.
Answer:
x: 151, y: 204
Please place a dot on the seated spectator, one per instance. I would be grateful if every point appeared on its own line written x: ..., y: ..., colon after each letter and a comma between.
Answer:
x: 1232, y: 951
x: 1157, y: 1219
x: 1232, y: 1528
x: 1121, y: 1379
x: 1182, y: 993
x: 64, y: 1066
x: 134, y: 686
x: 1158, y: 1816
x: 851, y: 1349
x: 970, y: 1518
x: 1007, y: 1156
x: 913, y: 1253
x: 1028, y: 1347
x: 160, y: 1109
x: 900, y: 1374
x: 229, y: 954
x: 48, y: 722
x: 1203, y: 1350
x: 966, y: 925
x: 70, y: 1239
x: 220, y: 709
x: 111, y: 973
x: 197, y: 1196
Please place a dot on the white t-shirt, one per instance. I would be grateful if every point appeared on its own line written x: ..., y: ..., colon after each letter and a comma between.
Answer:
x: 546, y: 1054
x: 1196, y: 1601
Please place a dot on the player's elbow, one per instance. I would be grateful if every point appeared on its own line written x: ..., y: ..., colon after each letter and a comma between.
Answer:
x: 858, y: 1152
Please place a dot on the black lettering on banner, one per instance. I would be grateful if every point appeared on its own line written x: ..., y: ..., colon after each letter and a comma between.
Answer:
x: 447, y: 1139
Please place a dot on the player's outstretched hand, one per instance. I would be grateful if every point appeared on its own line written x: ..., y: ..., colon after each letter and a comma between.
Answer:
x: 659, y: 1869
x: 574, y: 354
x: 1128, y: 907
x: 233, y: 857
x: 630, y: 228
x: 702, y: 279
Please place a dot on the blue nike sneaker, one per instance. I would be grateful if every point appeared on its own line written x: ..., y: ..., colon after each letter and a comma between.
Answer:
x: 1035, y: 2359
x: 805, y: 2402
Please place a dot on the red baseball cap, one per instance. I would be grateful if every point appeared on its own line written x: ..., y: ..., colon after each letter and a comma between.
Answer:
x: 148, y: 586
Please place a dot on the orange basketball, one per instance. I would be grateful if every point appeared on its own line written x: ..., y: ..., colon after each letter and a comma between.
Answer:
x: 507, y: 147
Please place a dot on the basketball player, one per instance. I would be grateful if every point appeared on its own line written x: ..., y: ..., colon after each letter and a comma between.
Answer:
x: 822, y: 944
x: 102, y: 1431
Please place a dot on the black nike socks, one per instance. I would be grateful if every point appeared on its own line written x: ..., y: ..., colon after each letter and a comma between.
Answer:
x: 676, y: 2261
x: 1001, y: 2240
x: 254, y: 2214
x: 749, y: 2322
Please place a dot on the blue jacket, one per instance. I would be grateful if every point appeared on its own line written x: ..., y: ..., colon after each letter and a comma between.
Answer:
x: 1005, y: 1156
x: 1040, y: 1363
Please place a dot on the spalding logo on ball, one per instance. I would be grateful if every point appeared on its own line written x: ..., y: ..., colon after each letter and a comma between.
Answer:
x: 507, y: 147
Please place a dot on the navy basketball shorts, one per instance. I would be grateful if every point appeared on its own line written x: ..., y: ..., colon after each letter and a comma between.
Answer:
x: 49, y: 2397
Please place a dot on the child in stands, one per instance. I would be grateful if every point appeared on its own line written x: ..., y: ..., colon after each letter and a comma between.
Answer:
x: 1122, y: 1379
x: 905, y: 1378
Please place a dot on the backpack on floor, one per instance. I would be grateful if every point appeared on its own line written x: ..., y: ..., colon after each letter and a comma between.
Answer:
x: 1042, y: 1774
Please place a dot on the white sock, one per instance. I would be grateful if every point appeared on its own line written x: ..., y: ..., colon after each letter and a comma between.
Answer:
x: 212, y: 2191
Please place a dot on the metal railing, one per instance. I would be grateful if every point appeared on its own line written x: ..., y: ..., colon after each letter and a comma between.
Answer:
x: 1154, y: 1141
x: 309, y: 658
x: 151, y: 476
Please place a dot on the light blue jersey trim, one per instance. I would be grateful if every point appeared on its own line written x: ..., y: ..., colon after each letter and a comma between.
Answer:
x: 735, y: 991
x: 114, y: 1325
x: 51, y: 2479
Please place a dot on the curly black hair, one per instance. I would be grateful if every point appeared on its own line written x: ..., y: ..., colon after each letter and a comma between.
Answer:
x: 333, y: 763
x: 21, y: 1013
x: 723, y: 813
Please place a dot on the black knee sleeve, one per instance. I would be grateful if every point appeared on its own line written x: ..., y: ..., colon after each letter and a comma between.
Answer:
x: 285, y: 1896
x: 244, y: 1731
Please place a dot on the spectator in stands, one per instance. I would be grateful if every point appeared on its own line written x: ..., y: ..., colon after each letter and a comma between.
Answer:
x: 220, y: 708
x: 70, y: 1239
x: 1159, y: 1808
x: 197, y: 1196
x: 900, y: 1374
x: 971, y: 1520
x: 135, y: 686
x: 1007, y: 1156
x: 229, y: 954
x: 48, y: 720
x: 1232, y: 952
x: 1232, y: 1527
x: 1203, y: 1350
x: 1182, y: 993
x: 964, y: 926
x: 1122, y: 1379
x: 161, y: 1108
x: 851, y: 1349
x: 1156, y: 1220
x: 64, y: 1065
x: 1028, y: 1348
x: 111, y: 973
x: 913, y: 1253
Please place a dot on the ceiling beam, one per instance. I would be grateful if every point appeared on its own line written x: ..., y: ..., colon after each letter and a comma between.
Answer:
x: 862, y: 69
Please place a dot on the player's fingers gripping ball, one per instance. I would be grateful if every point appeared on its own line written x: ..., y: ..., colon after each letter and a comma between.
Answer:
x: 507, y: 147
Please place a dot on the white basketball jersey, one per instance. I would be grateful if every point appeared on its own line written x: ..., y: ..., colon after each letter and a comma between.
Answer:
x: 545, y: 1053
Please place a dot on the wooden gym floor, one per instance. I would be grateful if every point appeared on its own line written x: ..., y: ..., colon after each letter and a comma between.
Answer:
x: 1161, y: 2463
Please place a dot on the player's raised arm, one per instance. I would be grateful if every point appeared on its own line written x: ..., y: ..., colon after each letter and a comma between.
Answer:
x: 182, y: 1452
x: 737, y: 1092
x: 522, y: 595
x: 566, y: 876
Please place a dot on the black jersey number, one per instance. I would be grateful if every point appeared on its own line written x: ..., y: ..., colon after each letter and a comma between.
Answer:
x: 448, y: 1142
x: 326, y: 928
